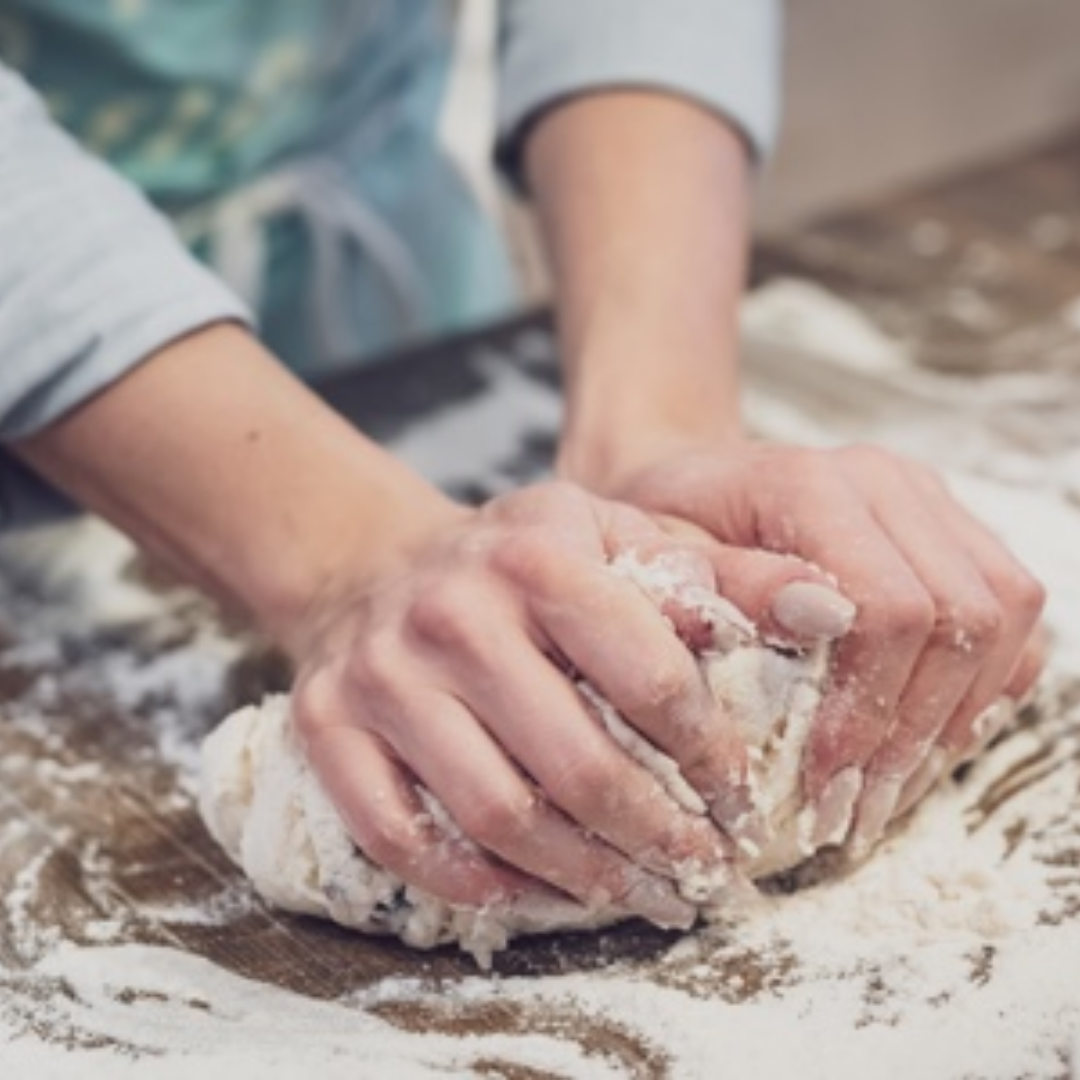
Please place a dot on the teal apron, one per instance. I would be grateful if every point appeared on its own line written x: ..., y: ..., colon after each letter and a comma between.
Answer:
x: 294, y: 145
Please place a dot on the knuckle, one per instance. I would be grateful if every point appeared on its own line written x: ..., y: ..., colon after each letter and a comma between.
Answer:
x: 373, y: 665
x: 442, y: 614
x: 970, y: 628
x: 314, y: 700
x: 866, y: 457
x: 699, y: 754
x: 1023, y: 592
x: 496, y: 820
x: 393, y: 841
x: 535, y: 503
x: 906, y: 615
x: 660, y: 688
x: 808, y: 468
x: 1032, y: 596
x: 530, y: 561
x: 587, y: 783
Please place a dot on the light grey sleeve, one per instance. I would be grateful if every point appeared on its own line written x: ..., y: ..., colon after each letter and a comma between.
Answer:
x: 724, y: 54
x: 92, y: 279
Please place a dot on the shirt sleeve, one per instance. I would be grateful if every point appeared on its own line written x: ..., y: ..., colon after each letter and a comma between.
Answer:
x: 724, y: 54
x: 92, y: 279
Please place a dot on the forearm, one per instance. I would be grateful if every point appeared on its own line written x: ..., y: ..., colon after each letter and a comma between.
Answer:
x: 214, y: 458
x: 643, y: 203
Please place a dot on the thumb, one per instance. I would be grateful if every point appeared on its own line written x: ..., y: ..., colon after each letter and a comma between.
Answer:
x: 791, y: 601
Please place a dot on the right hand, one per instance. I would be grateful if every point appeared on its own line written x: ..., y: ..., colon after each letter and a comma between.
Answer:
x: 946, y: 618
x: 447, y: 669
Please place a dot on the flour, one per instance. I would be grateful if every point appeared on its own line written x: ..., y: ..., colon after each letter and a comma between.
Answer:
x: 952, y: 954
x: 905, y: 969
x: 804, y: 376
x: 264, y: 805
x: 160, y: 1002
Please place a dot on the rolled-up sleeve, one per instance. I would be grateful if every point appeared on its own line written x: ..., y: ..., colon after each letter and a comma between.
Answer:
x: 92, y: 279
x: 724, y: 54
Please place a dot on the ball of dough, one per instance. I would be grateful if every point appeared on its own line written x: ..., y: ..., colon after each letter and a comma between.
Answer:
x: 263, y: 804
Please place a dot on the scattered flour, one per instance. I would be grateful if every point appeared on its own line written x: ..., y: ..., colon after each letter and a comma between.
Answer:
x: 266, y: 808
x: 952, y: 954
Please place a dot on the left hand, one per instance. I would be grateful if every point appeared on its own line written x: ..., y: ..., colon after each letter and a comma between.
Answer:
x: 946, y: 618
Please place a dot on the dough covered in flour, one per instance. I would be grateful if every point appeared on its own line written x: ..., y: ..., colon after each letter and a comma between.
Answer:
x: 264, y: 805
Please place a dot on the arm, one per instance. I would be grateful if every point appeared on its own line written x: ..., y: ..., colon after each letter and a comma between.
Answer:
x: 651, y: 361
x: 643, y: 201
x: 632, y: 123
x: 387, y: 594
x: 422, y: 631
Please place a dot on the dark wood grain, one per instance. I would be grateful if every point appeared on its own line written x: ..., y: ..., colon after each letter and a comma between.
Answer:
x: 89, y: 801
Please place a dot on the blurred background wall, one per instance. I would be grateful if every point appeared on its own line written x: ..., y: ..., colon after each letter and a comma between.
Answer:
x: 881, y: 93
x: 878, y: 94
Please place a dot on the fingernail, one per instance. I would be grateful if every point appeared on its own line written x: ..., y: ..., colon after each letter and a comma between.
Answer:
x: 996, y: 718
x: 810, y: 610
x: 923, y: 779
x: 752, y: 834
x: 988, y: 725
x: 875, y: 812
x: 734, y: 811
x: 700, y: 884
x: 658, y: 902
x: 836, y: 808
x: 737, y: 891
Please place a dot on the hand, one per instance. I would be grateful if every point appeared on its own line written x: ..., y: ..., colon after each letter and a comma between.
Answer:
x: 428, y: 638
x: 946, y: 619
x: 449, y: 668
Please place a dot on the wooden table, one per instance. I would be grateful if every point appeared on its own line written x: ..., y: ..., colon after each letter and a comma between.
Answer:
x: 99, y: 838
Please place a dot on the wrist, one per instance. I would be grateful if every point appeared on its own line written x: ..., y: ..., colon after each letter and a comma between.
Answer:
x: 339, y: 558
x: 220, y: 463
x: 628, y: 409
x: 643, y: 200
x: 606, y: 464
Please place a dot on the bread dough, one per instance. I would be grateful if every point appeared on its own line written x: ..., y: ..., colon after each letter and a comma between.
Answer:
x: 263, y: 804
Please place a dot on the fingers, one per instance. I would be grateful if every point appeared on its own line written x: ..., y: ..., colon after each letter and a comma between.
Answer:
x: 976, y: 608
x: 944, y: 614
x: 498, y: 808
x: 533, y: 711
x: 666, y: 699
x: 383, y: 814
x: 1010, y: 665
x: 970, y: 729
x: 973, y: 726
x: 1017, y: 657
x: 541, y: 722
x: 501, y: 841
x: 1021, y: 682
x: 650, y: 678
x: 586, y: 773
x: 787, y: 599
x: 441, y: 682
x: 964, y: 635
x: 790, y: 600
x: 874, y: 663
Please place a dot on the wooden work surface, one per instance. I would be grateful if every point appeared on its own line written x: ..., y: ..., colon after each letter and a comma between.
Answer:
x: 107, y: 694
